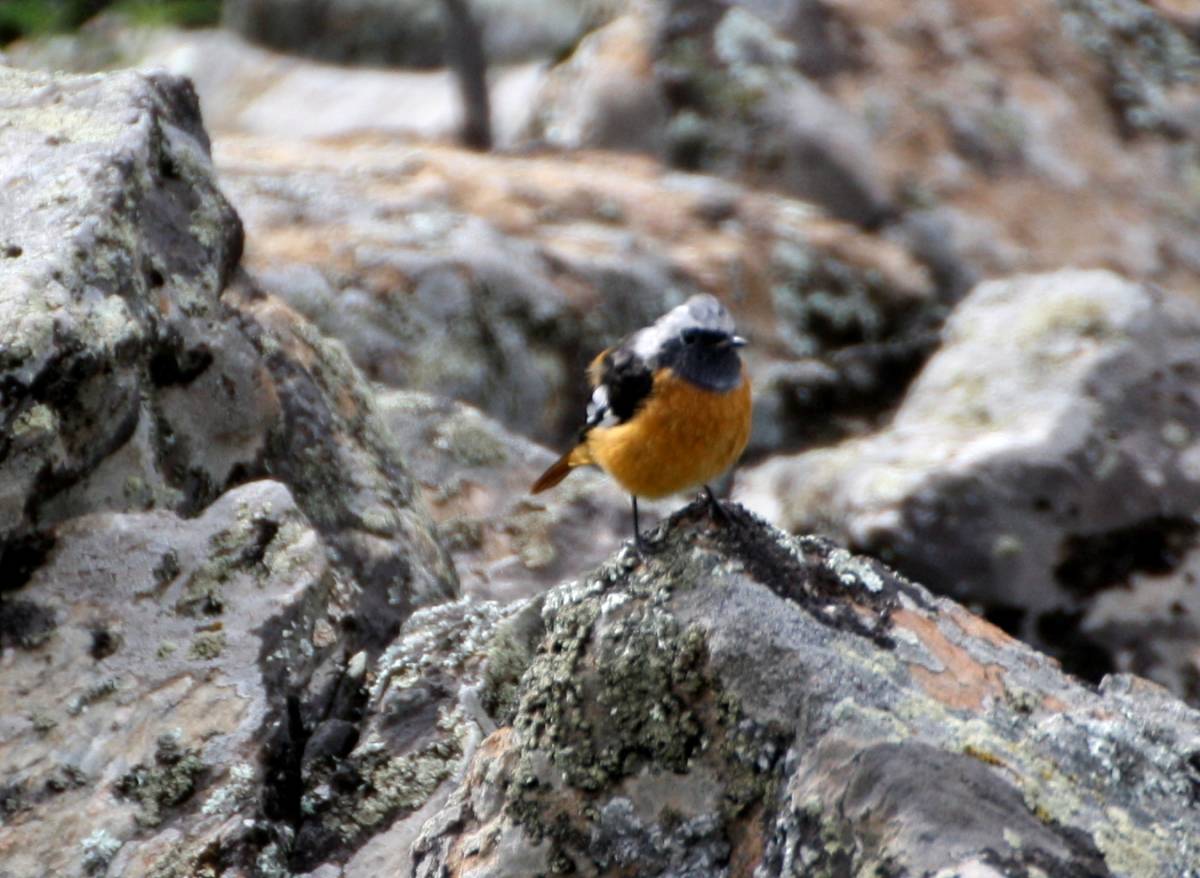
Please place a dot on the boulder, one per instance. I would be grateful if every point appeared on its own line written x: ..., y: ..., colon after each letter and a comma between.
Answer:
x: 714, y: 91
x: 1044, y: 456
x: 146, y: 389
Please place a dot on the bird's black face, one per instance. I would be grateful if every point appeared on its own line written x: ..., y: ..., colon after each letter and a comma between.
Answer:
x: 708, y: 357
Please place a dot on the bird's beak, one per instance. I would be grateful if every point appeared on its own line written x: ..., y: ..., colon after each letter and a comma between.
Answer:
x: 737, y: 341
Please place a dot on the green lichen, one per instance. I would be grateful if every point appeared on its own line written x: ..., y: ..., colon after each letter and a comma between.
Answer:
x: 241, y: 548
x: 35, y: 422
x: 238, y: 791
x: 392, y: 784
x: 1145, y: 55
x: 509, y: 655
x: 43, y: 723
x: 823, y: 303
x: 98, y: 850
x: 207, y: 645
x: 470, y: 442
x: 620, y: 686
x: 169, y: 782
x: 92, y: 694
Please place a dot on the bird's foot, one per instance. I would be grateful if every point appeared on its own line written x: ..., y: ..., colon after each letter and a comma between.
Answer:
x: 719, y: 512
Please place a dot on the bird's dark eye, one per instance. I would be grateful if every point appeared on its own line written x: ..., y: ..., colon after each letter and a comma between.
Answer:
x: 690, y: 336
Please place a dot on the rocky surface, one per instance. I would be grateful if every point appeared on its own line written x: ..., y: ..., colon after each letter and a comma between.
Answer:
x: 138, y: 709
x: 117, y: 347
x: 171, y: 632
x: 745, y: 703
x: 1044, y: 457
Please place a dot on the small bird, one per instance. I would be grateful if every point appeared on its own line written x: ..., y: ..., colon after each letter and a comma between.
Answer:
x: 670, y: 407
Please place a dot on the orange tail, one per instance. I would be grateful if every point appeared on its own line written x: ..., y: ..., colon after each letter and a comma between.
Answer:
x: 561, y: 468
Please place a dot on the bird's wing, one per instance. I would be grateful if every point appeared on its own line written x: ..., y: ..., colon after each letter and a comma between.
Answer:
x: 622, y: 380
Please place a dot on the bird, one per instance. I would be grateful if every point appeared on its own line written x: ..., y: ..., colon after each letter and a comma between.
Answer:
x: 670, y: 408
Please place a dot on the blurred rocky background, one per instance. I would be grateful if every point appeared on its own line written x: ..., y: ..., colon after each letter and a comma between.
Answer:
x: 291, y: 316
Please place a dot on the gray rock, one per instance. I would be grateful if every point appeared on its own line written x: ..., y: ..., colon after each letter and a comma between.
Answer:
x: 116, y: 347
x: 143, y: 379
x: 116, y: 245
x: 409, y: 33
x: 1044, y: 454
x: 146, y: 707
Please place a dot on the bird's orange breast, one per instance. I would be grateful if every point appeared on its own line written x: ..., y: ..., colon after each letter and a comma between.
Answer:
x: 683, y: 436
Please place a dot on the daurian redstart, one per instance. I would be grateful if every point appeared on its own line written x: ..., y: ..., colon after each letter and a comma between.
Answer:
x: 670, y: 409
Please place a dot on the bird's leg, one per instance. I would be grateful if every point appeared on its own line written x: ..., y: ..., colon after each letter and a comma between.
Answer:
x: 637, y: 533
x: 718, y: 511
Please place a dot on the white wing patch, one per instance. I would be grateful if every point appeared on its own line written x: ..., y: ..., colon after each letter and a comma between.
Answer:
x: 598, y: 412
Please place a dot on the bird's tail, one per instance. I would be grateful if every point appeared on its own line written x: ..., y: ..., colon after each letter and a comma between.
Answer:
x: 557, y: 471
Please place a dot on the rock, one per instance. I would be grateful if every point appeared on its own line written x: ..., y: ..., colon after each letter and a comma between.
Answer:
x: 116, y: 245
x: 174, y: 642
x: 117, y: 346
x: 1043, y: 456
x: 1012, y: 134
x: 746, y: 703
x: 420, y: 258
x: 410, y: 33
x: 1151, y: 625
x: 603, y: 96
x: 144, y: 381
x: 1017, y: 132
x: 712, y: 92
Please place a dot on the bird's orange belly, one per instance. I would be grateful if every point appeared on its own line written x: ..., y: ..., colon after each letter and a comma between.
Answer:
x: 681, y: 438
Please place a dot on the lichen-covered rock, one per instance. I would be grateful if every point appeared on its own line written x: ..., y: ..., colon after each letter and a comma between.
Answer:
x: 117, y: 350
x: 744, y: 703
x: 1045, y: 454
x: 114, y: 246
x: 143, y: 382
x: 143, y: 707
